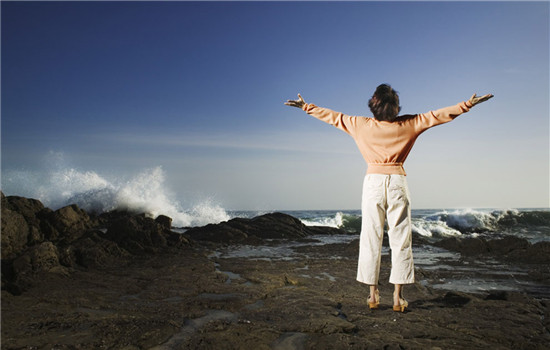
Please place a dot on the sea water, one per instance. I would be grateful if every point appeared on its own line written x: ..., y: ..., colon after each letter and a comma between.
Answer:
x: 531, y: 224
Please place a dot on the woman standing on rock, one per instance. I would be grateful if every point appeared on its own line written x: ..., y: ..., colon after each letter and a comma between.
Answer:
x: 385, y: 142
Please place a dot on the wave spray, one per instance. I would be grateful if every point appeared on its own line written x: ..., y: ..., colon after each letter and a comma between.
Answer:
x: 143, y: 193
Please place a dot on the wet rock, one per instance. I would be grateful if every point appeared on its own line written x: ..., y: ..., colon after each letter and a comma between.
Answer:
x: 41, y: 257
x: 71, y: 222
x: 27, y: 207
x: 94, y: 251
x: 137, y: 234
x: 456, y: 299
x: 14, y: 233
x: 507, y: 296
x: 268, y: 226
x: 538, y: 253
x: 164, y: 221
x: 20, y: 224
x: 506, y: 248
x: 30, y: 209
x: 507, y: 244
x: 466, y: 246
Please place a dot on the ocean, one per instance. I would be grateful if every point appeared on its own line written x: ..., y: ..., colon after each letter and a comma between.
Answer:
x: 532, y: 224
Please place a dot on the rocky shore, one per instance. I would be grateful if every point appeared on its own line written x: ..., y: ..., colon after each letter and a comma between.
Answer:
x: 73, y: 280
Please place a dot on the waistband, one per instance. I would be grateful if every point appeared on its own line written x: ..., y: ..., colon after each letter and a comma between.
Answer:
x: 386, y: 168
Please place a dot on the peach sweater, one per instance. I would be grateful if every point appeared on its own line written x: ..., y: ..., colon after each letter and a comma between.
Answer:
x: 386, y: 145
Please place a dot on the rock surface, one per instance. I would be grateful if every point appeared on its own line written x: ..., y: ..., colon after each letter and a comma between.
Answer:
x: 38, y: 240
x: 268, y: 226
x: 507, y: 248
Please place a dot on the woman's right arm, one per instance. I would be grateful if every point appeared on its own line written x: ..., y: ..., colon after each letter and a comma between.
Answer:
x: 337, y: 119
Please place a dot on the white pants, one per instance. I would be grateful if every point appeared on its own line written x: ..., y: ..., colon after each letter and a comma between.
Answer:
x: 385, y: 197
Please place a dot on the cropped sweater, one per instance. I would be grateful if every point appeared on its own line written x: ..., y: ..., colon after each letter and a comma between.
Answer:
x: 385, y: 145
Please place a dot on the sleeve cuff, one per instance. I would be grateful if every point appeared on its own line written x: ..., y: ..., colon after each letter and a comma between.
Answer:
x: 307, y: 106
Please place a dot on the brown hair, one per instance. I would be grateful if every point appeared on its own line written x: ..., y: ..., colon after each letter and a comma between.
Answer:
x: 384, y: 104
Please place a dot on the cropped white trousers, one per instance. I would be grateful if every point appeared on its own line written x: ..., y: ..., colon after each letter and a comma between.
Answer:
x: 385, y: 197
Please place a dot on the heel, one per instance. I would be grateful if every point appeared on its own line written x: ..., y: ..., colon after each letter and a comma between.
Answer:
x: 403, y: 304
x: 376, y: 302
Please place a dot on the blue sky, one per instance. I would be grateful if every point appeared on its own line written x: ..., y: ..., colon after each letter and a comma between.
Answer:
x: 197, y: 88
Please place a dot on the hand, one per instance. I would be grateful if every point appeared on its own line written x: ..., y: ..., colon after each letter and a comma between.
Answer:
x: 296, y: 103
x: 474, y: 100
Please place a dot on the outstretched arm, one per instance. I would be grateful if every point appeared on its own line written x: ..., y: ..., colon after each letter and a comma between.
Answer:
x: 337, y: 119
x: 425, y: 121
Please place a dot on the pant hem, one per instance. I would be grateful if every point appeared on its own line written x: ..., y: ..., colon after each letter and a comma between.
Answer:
x: 370, y: 284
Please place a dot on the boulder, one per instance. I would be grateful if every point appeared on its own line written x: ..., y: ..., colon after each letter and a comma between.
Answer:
x: 137, y: 234
x: 15, y: 233
x: 465, y: 246
x: 71, y: 221
x: 27, y: 207
x: 94, y: 251
x: 507, y: 244
x: 20, y: 224
x: 164, y: 221
x: 30, y: 209
x: 41, y: 257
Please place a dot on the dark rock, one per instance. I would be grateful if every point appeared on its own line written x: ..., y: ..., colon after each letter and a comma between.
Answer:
x: 27, y: 207
x: 507, y: 296
x: 507, y: 248
x: 18, y: 234
x: 268, y: 226
x: 538, y: 253
x: 466, y: 246
x: 71, y: 221
x: 507, y: 244
x: 137, y: 234
x: 65, y: 224
x: 41, y: 257
x: 456, y: 299
x: 15, y: 233
x: 95, y: 251
x: 164, y: 221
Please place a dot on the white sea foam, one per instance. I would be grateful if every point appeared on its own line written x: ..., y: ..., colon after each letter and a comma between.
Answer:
x: 326, y: 221
x: 145, y: 192
x: 433, y: 228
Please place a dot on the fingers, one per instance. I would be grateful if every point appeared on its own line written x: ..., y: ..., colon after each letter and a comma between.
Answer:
x: 292, y: 103
x: 296, y: 103
x: 485, y: 97
x: 474, y: 100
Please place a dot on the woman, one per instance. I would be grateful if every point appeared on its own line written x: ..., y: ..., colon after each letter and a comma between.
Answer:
x: 385, y: 142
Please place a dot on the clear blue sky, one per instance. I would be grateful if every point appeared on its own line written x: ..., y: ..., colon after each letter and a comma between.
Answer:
x: 198, y: 89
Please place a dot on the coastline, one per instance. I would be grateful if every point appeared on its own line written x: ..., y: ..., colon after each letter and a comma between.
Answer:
x: 199, y: 294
